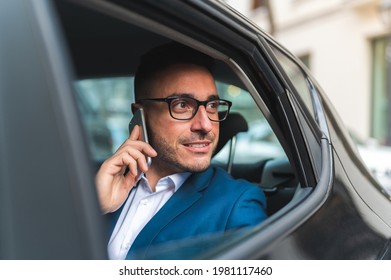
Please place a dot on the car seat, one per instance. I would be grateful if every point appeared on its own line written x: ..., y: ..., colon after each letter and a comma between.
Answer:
x: 229, y: 129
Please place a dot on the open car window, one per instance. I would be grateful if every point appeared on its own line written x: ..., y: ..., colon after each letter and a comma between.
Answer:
x: 103, y: 88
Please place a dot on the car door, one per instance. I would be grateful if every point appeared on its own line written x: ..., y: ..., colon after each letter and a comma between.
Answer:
x: 48, y: 203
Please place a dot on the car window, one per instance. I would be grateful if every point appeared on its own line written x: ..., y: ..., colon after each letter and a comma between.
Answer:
x: 259, y: 142
x: 104, y: 104
x: 104, y: 93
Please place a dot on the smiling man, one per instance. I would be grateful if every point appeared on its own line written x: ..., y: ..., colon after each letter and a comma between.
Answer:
x: 179, y: 196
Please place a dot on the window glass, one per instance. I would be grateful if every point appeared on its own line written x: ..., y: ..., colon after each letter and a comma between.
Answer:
x: 306, y: 59
x: 105, y: 106
x: 379, y: 127
x: 259, y: 142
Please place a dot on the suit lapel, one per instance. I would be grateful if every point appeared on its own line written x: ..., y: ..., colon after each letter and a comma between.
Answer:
x: 187, y: 195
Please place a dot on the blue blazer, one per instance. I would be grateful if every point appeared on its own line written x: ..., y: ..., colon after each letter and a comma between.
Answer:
x: 208, y: 202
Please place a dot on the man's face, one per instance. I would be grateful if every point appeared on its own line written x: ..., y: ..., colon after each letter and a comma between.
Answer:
x: 182, y: 145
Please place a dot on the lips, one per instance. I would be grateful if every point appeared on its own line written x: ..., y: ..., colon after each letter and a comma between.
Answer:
x: 198, y: 146
x: 197, y: 143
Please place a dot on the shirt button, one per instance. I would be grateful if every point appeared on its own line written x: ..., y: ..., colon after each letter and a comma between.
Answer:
x: 144, y: 201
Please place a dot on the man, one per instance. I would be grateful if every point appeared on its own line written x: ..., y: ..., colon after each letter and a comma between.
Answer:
x: 179, y: 196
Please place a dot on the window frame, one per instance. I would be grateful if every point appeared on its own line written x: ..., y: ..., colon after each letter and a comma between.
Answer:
x: 253, y: 62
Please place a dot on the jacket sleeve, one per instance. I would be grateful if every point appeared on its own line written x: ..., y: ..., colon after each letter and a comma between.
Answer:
x: 249, y: 209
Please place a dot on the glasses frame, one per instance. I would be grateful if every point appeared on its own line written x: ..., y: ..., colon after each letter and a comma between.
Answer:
x: 170, y: 99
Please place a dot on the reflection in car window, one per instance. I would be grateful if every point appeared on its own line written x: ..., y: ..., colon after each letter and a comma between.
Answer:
x: 297, y: 78
x: 105, y: 106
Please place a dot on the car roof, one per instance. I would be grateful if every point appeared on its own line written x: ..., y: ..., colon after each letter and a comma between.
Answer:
x: 97, y: 51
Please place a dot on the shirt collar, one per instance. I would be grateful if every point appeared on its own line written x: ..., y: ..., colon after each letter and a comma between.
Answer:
x: 176, y: 180
x: 179, y: 178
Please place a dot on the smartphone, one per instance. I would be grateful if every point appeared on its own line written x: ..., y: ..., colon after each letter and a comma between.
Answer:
x: 139, y: 119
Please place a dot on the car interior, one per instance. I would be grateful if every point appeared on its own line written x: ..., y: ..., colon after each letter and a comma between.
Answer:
x: 105, y: 51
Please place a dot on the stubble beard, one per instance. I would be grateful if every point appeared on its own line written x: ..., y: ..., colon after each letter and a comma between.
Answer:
x: 167, y: 158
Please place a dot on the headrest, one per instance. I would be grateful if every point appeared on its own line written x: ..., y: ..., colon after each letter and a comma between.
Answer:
x: 231, y: 126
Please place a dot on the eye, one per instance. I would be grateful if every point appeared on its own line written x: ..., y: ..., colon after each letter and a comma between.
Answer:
x: 213, y: 105
x: 181, y: 105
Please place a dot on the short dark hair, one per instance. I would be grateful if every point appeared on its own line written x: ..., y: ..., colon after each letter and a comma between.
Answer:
x: 160, y: 58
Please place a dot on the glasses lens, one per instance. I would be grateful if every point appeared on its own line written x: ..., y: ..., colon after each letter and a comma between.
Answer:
x: 183, y: 108
x: 217, y: 110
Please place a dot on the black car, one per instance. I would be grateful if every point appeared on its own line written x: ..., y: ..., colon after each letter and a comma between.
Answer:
x: 58, y: 56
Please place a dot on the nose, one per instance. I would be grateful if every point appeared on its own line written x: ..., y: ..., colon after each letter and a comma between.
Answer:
x: 201, y: 121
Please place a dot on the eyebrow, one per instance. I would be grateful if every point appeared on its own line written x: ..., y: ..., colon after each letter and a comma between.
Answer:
x: 211, y: 97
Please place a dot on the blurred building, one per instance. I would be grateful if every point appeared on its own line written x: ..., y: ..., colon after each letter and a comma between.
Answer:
x: 344, y: 43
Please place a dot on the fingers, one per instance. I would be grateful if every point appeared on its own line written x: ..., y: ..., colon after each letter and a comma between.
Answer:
x: 132, y: 158
x: 137, y: 149
x: 132, y: 155
x: 135, y: 141
x: 112, y: 183
x: 135, y: 134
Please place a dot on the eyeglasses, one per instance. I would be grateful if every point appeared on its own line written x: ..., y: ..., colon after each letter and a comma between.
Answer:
x: 185, y: 108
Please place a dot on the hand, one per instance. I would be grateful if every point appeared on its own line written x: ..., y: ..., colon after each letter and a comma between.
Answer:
x: 113, y: 185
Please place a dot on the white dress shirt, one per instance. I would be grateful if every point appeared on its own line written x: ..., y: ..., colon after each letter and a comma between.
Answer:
x: 139, y: 208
